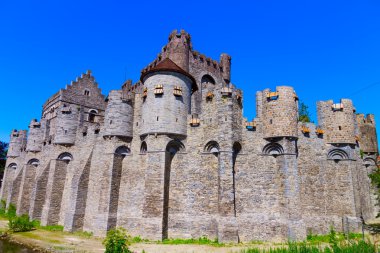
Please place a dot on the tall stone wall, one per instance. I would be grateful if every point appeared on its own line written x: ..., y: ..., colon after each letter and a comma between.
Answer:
x: 166, y: 166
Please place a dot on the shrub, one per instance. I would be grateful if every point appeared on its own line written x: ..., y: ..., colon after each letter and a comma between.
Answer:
x: 20, y: 223
x: 11, y: 211
x: 117, y: 241
x: 3, y: 206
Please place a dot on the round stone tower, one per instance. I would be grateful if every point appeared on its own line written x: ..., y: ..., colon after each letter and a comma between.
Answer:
x: 119, y: 115
x: 35, y: 136
x: 338, y: 121
x: 178, y: 49
x: 17, y: 143
x: 67, y: 124
x: 166, y: 99
x: 280, y: 112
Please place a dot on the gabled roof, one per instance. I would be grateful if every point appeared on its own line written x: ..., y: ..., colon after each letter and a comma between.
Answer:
x: 168, y: 65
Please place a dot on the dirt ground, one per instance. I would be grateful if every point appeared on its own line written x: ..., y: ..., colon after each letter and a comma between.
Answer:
x: 63, y: 242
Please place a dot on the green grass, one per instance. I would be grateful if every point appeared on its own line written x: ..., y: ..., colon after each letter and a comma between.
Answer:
x: 51, y: 228
x: 356, y: 247
x: 198, y: 241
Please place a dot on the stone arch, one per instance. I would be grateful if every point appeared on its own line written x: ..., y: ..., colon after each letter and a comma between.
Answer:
x: 368, y: 161
x: 337, y: 154
x: 92, y: 114
x: 236, y: 148
x: 35, y: 162
x: 65, y: 156
x: 117, y: 166
x: 273, y: 149
x: 212, y: 147
x: 172, y: 148
x: 27, y: 185
x: 122, y: 151
x: 143, y: 148
x: 207, y: 79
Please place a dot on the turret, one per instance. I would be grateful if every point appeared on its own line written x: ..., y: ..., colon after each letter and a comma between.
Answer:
x: 338, y: 121
x: 67, y: 124
x: 367, y: 133
x: 178, y: 49
x: 166, y: 99
x: 35, y: 136
x: 279, y: 112
x: 119, y: 114
x: 17, y: 143
x: 225, y: 61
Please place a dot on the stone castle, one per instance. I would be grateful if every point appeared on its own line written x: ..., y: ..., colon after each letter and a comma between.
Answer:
x: 172, y: 156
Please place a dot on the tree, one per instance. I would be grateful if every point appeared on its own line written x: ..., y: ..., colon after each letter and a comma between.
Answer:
x: 3, y: 158
x: 304, y: 115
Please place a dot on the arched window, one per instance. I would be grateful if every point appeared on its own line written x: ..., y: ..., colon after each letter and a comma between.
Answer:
x: 143, y: 148
x: 67, y: 157
x: 212, y: 147
x: 91, y: 115
x: 369, y: 162
x: 175, y: 146
x: 122, y: 150
x: 337, y: 154
x: 273, y: 149
x: 207, y: 79
x: 12, y: 166
x: 35, y: 162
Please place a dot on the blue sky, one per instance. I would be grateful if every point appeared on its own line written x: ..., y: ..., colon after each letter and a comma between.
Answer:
x: 325, y: 49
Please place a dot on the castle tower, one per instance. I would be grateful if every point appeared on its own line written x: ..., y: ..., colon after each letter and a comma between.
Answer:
x: 338, y: 121
x: 367, y: 133
x: 166, y: 99
x: 67, y: 124
x: 17, y: 143
x: 279, y: 112
x: 225, y: 61
x: 119, y: 115
x: 35, y: 136
x: 178, y: 49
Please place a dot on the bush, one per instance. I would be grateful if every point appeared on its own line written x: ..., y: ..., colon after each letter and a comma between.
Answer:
x: 11, y: 211
x: 20, y: 223
x: 117, y: 241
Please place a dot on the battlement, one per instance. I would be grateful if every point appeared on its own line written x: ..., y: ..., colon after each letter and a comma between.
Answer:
x: 182, y: 35
x: 365, y: 119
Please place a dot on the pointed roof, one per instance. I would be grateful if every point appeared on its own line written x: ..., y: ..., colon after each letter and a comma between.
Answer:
x: 168, y: 65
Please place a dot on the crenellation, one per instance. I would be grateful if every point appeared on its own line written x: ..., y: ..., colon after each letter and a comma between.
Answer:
x: 171, y: 156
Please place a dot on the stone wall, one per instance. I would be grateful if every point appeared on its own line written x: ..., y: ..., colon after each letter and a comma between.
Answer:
x: 138, y: 163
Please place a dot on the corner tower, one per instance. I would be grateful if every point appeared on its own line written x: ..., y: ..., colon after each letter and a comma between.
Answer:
x: 367, y: 133
x: 166, y: 99
x: 279, y: 111
x: 35, y: 136
x: 338, y: 120
x: 178, y: 49
x: 17, y: 143
x: 119, y: 115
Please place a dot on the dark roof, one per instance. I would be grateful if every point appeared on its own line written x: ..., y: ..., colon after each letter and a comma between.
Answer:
x: 168, y: 65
